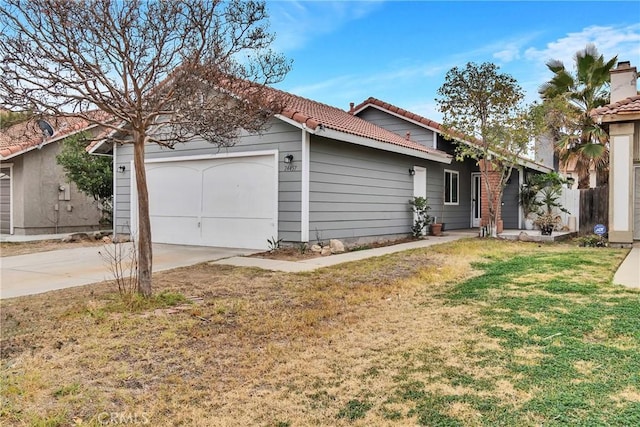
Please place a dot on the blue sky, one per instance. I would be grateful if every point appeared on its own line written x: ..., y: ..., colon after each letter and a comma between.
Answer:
x: 397, y: 51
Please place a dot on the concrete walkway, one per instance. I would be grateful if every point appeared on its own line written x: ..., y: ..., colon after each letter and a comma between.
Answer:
x: 628, y: 273
x: 315, y: 263
x: 46, y: 271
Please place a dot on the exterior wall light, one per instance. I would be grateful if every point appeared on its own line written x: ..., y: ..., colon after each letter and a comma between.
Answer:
x: 288, y: 158
x: 412, y: 171
x: 121, y: 168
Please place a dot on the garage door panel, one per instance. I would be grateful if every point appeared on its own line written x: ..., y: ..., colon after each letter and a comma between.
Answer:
x: 227, y: 232
x: 232, y: 189
x: 174, y: 190
x: 214, y: 202
x: 177, y: 230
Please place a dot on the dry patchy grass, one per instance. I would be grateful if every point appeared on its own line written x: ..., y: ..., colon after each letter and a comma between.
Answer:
x: 365, y: 343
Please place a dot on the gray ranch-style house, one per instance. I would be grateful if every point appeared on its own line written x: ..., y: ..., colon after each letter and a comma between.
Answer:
x: 454, y: 190
x: 317, y: 173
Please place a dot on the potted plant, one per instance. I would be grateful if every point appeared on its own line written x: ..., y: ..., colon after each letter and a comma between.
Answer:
x: 547, y: 218
x: 547, y: 222
x: 436, y: 228
x: 420, y: 207
x: 528, y: 199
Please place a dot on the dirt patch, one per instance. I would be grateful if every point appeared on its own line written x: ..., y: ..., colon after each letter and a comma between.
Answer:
x: 23, y: 248
x: 302, y: 252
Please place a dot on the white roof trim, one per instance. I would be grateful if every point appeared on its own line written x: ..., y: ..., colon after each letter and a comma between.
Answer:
x: 100, y: 143
x: 384, y: 146
x: 520, y: 161
x: 400, y: 116
x: 367, y: 142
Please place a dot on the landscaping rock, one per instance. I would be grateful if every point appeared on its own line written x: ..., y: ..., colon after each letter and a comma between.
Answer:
x: 121, y: 238
x: 316, y: 248
x: 524, y: 237
x: 326, y: 251
x: 99, y: 235
x: 76, y: 237
x: 337, y: 247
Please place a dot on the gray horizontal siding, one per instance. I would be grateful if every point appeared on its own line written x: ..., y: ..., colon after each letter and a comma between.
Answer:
x: 454, y: 216
x: 511, y: 207
x: 398, y: 125
x: 358, y: 192
x: 279, y: 136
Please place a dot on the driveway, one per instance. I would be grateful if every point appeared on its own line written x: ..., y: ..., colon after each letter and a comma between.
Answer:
x: 46, y: 271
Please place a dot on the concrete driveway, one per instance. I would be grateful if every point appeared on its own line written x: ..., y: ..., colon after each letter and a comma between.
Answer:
x: 46, y: 271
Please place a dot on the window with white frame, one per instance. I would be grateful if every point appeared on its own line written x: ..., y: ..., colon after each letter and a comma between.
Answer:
x: 451, y: 187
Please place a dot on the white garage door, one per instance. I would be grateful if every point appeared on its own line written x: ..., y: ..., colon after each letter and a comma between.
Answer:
x: 227, y: 202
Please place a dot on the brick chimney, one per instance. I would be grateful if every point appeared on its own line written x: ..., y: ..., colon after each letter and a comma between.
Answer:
x: 624, y: 80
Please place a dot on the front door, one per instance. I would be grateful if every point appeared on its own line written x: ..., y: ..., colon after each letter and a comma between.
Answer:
x: 476, y: 207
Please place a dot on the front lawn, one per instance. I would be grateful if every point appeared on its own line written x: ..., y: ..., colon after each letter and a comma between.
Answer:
x: 476, y: 332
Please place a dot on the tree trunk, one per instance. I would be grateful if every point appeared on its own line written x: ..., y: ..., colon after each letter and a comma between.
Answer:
x: 143, y: 238
x: 584, y: 181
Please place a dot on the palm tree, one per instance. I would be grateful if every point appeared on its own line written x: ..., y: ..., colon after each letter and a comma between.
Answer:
x: 568, y: 98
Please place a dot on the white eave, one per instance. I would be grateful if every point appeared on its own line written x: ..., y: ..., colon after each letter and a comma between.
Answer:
x: 98, y: 147
x: 370, y: 142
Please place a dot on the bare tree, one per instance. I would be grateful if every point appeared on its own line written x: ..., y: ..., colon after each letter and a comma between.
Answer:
x: 161, y: 71
x: 485, y: 108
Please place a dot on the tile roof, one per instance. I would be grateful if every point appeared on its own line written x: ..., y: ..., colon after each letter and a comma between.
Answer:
x: 411, y: 116
x: 315, y: 115
x: 424, y: 121
x: 25, y: 136
x: 626, y: 106
x: 400, y: 111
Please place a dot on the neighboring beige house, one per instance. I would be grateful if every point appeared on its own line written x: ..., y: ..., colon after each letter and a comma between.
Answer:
x: 35, y: 196
x: 623, y: 117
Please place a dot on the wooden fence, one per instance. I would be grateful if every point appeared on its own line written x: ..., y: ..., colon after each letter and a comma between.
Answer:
x: 594, y: 209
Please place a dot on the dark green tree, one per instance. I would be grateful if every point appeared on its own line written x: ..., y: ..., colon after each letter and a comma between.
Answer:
x: 93, y: 175
x: 568, y: 98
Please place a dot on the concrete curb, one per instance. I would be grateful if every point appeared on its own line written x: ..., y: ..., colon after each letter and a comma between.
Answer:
x: 628, y: 274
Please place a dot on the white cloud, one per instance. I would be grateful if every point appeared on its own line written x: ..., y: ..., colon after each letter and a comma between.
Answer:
x: 297, y: 22
x: 610, y: 41
x: 508, y: 54
x: 623, y: 41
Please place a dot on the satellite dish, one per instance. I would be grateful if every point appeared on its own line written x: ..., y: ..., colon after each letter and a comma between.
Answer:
x: 46, y: 128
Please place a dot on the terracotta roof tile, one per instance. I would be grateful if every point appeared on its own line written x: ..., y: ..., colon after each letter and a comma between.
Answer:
x: 314, y: 114
x: 400, y: 111
x: 629, y: 105
x: 25, y: 136
x: 416, y: 118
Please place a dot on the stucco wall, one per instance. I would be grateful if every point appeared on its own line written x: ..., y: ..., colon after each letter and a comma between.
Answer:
x: 37, y: 209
